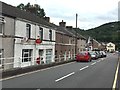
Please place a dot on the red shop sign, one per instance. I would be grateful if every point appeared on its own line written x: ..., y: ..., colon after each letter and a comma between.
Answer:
x: 38, y: 41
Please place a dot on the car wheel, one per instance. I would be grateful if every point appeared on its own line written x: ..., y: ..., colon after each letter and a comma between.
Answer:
x: 89, y: 60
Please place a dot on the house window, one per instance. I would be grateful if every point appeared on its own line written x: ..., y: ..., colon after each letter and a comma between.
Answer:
x: 61, y: 39
x: 26, y: 55
x: 41, y: 33
x: 1, y: 28
x: 50, y: 34
x: 55, y: 53
x: 69, y: 40
x: 1, y: 55
x: 48, y: 55
x: 110, y: 45
x: 28, y: 30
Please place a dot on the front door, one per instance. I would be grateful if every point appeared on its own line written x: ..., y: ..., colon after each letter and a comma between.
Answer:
x: 26, y: 57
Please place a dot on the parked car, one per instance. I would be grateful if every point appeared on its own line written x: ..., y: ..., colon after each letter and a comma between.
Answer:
x: 98, y: 54
x: 103, y: 53
x: 83, y: 56
x: 93, y: 55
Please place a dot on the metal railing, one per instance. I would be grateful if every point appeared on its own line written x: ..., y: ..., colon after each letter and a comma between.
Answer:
x: 18, y: 62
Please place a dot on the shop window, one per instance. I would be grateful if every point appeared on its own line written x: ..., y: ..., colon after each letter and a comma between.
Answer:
x: 48, y: 55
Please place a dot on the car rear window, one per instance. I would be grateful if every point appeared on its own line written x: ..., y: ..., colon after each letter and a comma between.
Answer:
x: 82, y: 53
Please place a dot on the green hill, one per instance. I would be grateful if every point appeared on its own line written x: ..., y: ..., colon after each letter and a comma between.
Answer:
x: 109, y: 32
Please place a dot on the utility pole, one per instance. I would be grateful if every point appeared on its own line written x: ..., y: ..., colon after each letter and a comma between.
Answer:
x: 76, y: 35
x: 76, y: 19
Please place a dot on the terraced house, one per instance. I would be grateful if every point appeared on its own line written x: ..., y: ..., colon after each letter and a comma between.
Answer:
x: 21, y: 36
x: 65, y: 42
x: 27, y: 40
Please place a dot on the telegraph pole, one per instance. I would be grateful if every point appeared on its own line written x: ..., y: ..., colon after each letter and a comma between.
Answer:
x: 76, y: 35
x: 76, y: 19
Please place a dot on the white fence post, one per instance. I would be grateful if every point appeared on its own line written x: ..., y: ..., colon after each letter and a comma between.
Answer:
x: 59, y: 58
x: 19, y: 62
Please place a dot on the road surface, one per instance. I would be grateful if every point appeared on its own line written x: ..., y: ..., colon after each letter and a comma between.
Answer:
x: 96, y: 74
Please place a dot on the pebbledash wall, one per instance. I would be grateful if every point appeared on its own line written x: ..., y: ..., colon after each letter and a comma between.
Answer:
x: 7, y: 42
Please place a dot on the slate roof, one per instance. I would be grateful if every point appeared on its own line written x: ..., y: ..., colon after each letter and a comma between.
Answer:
x: 14, y: 12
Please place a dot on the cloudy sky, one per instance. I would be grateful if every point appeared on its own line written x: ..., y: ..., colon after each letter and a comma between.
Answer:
x: 91, y: 13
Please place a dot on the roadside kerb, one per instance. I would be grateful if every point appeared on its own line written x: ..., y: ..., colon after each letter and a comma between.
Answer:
x: 17, y: 71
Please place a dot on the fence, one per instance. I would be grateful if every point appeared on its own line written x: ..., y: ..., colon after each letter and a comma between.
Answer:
x: 21, y: 62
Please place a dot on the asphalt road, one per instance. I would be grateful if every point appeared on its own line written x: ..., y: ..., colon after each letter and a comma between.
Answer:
x: 96, y: 74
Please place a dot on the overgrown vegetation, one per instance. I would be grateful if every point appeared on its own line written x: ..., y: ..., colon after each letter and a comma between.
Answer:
x: 35, y: 9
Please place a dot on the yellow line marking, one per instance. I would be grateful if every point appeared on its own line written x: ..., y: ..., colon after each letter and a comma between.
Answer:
x: 115, y: 80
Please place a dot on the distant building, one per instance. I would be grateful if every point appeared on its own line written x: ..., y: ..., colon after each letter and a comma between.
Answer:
x: 110, y: 47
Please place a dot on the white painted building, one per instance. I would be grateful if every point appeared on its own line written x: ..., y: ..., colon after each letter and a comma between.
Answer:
x: 26, y: 50
x: 110, y: 47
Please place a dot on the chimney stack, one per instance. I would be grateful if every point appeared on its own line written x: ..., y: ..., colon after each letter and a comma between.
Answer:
x: 69, y: 27
x: 47, y: 19
x: 62, y: 24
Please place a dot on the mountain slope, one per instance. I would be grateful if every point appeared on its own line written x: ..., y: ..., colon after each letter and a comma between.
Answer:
x: 109, y: 32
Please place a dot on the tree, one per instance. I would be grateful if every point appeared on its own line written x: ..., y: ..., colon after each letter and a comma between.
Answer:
x: 35, y: 9
x: 21, y: 6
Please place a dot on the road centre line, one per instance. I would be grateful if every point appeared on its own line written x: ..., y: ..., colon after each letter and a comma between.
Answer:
x: 93, y: 63
x: 102, y: 59
x: 65, y: 76
x: 84, y: 68
x: 99, y: 61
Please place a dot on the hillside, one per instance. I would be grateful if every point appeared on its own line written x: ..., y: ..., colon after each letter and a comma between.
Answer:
x: 109, y: 32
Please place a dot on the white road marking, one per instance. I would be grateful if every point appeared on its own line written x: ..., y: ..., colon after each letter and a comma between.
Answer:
x: 64, y: 76
x: 115, y: 80
x: 99, y: 61
x: 102, y: 59
x: 93, y: 63
x: 34, y: 72
x: 84, y: 68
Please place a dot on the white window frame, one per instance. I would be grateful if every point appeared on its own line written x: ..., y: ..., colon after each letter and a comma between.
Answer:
x: 1, y: 56
x: 28, y: 30
x: 41, y: 33
x: 1, y: 28
x: 49, y: 55
x: 50, y: 35
x: 29, y: 54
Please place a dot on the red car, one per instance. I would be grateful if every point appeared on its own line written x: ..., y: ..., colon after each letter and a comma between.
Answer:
x: 83, y: 56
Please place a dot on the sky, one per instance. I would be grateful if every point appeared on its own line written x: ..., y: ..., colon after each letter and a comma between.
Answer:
x: 91, y: 13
